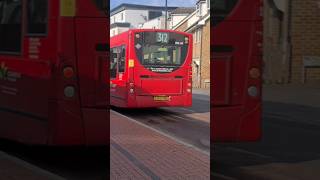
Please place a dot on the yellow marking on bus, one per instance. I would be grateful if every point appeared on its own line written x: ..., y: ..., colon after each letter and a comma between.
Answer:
x: 131, y: 63
x: 67, y: 8
x: 163, y: 49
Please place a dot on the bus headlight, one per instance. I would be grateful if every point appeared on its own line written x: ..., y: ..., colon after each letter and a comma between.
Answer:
x: 69, y: 91
x: 253, y: 91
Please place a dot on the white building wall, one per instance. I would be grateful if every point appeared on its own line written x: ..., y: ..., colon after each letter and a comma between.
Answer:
x: 117, y: 17
x: 136, y: 17
x: 122, y: 29
x: 193, y: 19
x: 157, y: 23
x: 204, y: 9
x: 117, y: 30
x: 175, y: 19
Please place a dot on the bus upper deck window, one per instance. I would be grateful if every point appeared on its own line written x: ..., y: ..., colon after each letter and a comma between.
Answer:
x: 121, y: 59
x: 10, y: 26
x: 101, y: 4
x: 37, y: 17
x: 113, y: 62
x: 221, y: 9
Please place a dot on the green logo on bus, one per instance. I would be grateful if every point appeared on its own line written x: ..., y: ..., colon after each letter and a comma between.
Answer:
x: 3, y: 71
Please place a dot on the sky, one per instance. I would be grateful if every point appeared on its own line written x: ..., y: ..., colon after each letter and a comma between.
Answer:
x: 177, y: 3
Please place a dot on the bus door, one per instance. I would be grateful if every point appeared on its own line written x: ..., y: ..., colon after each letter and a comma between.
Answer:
x: 92, y: 55
x: 118, y: 81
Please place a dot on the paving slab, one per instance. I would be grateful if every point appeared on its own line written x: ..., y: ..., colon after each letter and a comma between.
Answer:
x: 140, y: 152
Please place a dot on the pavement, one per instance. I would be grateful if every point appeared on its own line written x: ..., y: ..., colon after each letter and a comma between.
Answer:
x: 299, y: 94
x: 188, y: 124
x: 15, y: 169
x: 137, y: 152
x: 288, y: 149
x: 201, y: 91
x: 141, y: 152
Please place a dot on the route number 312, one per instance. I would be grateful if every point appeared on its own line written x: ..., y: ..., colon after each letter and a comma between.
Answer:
x: 162, y: 37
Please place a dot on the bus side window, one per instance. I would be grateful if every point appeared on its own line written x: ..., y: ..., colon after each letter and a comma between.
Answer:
x: 10, y: 26
x: 101, y: 4
x: 121, y: 60
x: 113, y: 62
x: 37, y: 17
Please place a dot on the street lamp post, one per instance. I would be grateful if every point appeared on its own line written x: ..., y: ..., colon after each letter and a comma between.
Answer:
x: 166, y: 15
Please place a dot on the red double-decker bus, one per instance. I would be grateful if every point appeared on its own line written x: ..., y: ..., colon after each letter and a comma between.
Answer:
x: 54, y: 72
x: 151, y: 68
x: 236, y: 60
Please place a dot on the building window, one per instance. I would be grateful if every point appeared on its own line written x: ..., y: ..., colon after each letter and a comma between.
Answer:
x: 10, y: 26
x: 154, y: 14
x: 197, y: 35
x: 121, y: 16
x: 37, y: 16
x: 199, y: 9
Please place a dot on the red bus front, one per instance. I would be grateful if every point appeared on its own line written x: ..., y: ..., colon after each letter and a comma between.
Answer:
x: 156, y: 70
x: 236, y: 55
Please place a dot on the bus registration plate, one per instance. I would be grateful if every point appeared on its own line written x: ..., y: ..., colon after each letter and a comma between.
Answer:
x: 161, y: 98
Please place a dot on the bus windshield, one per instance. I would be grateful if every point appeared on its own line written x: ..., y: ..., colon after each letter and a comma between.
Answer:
x: 162, y: 50
x: 161, y: 55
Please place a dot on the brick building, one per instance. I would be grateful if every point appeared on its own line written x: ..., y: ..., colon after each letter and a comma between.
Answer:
x: 291, y: 40
x: 198, y: 23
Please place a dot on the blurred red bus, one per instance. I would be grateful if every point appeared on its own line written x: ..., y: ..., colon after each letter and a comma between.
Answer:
x: 236, y: 55
x: 151, y: 68
x: 54, y: 72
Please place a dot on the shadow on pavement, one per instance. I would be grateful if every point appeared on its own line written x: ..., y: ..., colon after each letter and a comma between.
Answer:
x: 68, y: 162
x: 290, y: 135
